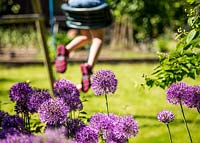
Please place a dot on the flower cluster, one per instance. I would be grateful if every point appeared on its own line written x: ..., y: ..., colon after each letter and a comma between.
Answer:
x: 182, y: 93
x: 114, y: 128
x: 12, y: 125
x: 56, y: 113
x: 104, y: 82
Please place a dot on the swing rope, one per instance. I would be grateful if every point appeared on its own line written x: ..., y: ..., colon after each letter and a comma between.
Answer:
x: 51, y: 16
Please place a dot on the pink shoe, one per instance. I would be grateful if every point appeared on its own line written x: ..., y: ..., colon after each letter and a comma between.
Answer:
x: 86, y: 71
x: 61, y: 59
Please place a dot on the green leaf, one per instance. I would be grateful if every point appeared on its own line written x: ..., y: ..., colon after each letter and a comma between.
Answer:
x: 190, y: 36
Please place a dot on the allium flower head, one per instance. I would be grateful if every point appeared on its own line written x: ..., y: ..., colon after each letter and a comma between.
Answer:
x: 193, y: 99
x: 65, y: 87
x: 114, y: 128
x: 53, y: 111
x: 123, y: 129
x: 103, y: 122
x: 67, y: 90
x: 165, y: 116
x: 104, y: 82
x: 19, y: 91
x: 177, y: 92
x: 87, y: 135
x: 37, y: 97
x: 129, y: 126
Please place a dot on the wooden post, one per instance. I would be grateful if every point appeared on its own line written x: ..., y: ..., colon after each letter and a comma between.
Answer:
x: 40, y: 25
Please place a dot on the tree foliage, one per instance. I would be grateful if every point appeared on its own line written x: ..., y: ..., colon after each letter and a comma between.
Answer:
x: 185, y: 60
x: 150, y: 18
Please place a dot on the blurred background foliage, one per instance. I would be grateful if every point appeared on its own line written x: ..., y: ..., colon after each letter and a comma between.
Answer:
x: 141, y: 25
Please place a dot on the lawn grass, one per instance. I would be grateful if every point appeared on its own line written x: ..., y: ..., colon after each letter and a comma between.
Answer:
x: 130, y: 98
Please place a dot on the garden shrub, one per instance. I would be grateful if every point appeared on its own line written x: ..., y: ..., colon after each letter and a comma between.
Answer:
x: 185, y: 60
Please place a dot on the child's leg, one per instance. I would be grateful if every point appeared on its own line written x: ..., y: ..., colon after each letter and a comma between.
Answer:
x: 97, y: 41
x: 86, y: 69
x: 79, y: 41
x: 63, y: 51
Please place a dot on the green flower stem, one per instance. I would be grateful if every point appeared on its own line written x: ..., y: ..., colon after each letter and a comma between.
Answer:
x: 28, y: 122
x: 107, y: 104
x: 170, y: 136
x: 186, y: 123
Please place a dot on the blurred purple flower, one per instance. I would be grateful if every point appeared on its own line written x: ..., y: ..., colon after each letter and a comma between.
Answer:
x: 19, y: 91
x: 51, y: 136
x: 177, y: 92
x: 165, y: 116
x: 17, y: 138
x: 193, y: 99
x: 53, y: 111
x: 87, y: 135
x: 67, y: 90
x: 9, y: 132
x: 37, y: 97
x: 104, y: 82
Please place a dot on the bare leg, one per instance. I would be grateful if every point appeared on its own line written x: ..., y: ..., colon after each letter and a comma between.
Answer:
x: 97, y: 41
x: 79, y: 41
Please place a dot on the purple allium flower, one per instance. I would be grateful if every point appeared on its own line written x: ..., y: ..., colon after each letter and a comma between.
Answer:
x: 37, y: 97
x: 72, y: 127
x: 124, y: 128
x: 87, y: 135
x: 114, y: 128
x: 67, y: 90
x: 165, y: 116
x: 177, y: 92
x: 19, y: 91
x: 65, y: 86
x: 17, y: 139
x: 104, y: 82
x: 53, y: 111
x: 129, y: 126
x: 103, y: 122
x: 13, y: 121
x: 193, y: 98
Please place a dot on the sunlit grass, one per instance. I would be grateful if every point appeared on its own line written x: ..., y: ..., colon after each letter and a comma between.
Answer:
x: 130, y: 98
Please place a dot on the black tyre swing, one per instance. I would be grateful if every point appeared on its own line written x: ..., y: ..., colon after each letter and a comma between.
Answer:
x: 87, y: 18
